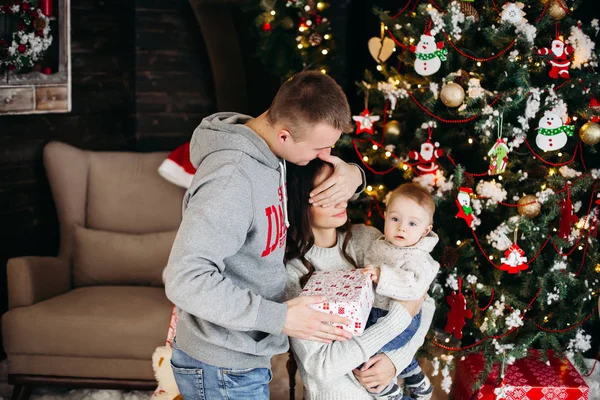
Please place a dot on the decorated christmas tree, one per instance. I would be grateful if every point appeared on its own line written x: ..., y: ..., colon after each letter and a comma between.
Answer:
x: 494, y: 107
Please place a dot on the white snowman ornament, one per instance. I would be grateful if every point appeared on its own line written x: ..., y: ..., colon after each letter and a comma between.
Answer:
x: 429, y: 55
x: 552, y: 134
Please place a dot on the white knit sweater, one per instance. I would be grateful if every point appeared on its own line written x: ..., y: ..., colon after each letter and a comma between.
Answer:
x: 326, y: 369
x: 406, y: 272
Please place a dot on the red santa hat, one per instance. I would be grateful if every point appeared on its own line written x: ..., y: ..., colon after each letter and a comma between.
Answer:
x: 178, y: 168
x: 466, y: 190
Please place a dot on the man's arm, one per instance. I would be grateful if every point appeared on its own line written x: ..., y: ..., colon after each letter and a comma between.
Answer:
x: 340, y: 358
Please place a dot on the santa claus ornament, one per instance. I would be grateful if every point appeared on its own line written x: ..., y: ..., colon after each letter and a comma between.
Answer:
x: 552, y: 134
x: 567, y: 217
x: 560, y: 63
x: 463, y: 202
x: 458, y: 312
x: 365, y: 121
x: 426, y: 158
x: 429, y: 54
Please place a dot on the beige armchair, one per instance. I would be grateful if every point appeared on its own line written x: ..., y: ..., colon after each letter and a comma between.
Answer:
x: 93, y: 315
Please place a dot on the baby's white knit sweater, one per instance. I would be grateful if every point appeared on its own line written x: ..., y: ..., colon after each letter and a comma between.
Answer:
x: 406, y: 272
x: 326, y: 369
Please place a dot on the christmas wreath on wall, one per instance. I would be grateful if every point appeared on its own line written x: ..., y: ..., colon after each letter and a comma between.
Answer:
x: 30, y: 38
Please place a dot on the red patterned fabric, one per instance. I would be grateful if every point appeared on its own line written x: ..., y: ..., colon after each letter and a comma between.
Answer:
x: 526, y: 379
x: 349, y: 294
x: 172, y: 325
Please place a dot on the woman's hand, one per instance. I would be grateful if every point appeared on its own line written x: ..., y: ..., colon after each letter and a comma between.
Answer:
x: 376, y: 374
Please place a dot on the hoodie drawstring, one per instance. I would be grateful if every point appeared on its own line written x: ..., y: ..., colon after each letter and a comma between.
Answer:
x: 284, y: 191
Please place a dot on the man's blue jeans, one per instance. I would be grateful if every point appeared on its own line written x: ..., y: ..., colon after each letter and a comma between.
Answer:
x: 199, y: 381
x: 400, y: 340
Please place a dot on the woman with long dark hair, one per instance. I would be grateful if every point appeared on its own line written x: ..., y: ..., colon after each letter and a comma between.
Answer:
x: 322, y: 238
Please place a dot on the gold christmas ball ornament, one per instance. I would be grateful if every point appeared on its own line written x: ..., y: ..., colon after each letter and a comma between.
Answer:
x: 557, y: 10
x: 452, y: 94
x: 529, y: 206
x: 589, y: 133
x: 392, y: 129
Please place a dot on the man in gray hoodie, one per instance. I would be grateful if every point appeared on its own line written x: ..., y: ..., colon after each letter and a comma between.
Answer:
x: 225, y: 272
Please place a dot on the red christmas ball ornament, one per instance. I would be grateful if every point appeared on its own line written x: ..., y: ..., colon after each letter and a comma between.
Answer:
x: 266, y: 27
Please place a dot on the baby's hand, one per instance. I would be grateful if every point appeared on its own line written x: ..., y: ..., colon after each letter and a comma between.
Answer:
x: 372, y: 271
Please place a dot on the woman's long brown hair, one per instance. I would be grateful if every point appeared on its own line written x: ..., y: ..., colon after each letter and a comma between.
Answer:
x: 300, y: 238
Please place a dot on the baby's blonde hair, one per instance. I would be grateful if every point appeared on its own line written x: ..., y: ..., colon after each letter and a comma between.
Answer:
x: 416, y: 193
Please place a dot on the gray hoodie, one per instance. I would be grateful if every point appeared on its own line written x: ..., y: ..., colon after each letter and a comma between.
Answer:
x: 225, y: 272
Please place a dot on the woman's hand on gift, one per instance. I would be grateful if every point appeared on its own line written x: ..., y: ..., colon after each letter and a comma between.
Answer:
x: 376, y: 374
x: 372, y: 271
x: 302, y: 322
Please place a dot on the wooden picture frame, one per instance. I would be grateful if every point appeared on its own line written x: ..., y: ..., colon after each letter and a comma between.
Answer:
x: 38, y: 93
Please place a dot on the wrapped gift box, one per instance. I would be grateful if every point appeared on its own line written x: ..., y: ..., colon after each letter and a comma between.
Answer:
x: 349, y: 294
x: 527, y: 379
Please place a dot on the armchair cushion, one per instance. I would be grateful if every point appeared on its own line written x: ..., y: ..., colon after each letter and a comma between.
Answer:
x: 119, y: 322
x: 113, y: 258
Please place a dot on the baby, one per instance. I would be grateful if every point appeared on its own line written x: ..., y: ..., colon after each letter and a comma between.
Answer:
x: 400, y: 264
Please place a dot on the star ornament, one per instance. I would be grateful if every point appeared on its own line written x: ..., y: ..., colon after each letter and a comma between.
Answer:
x: 513, y: 13
x: 364, y: 121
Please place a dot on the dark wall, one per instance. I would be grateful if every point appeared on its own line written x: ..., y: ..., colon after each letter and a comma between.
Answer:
x: 173, y: 80
x: 140, y: 81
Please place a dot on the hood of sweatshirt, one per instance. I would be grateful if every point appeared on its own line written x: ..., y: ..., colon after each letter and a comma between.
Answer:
x: 226, y: 131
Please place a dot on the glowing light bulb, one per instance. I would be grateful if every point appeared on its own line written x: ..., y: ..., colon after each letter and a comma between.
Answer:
x: 458, y: 242
x: 375, y: 147
x: 365, y: 158
x: 327, y: 36
x: 324, y: 51
x: 387, y: 153
x: 379, y: 68
x: 324, y: 71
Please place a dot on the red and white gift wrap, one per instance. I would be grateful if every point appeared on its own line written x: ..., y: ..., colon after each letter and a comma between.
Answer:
x: 349, y: 294
x: 526, y: 379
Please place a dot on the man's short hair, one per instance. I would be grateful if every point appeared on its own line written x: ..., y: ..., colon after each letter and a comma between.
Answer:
x: 309, y: 98
x: 416, y: 193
